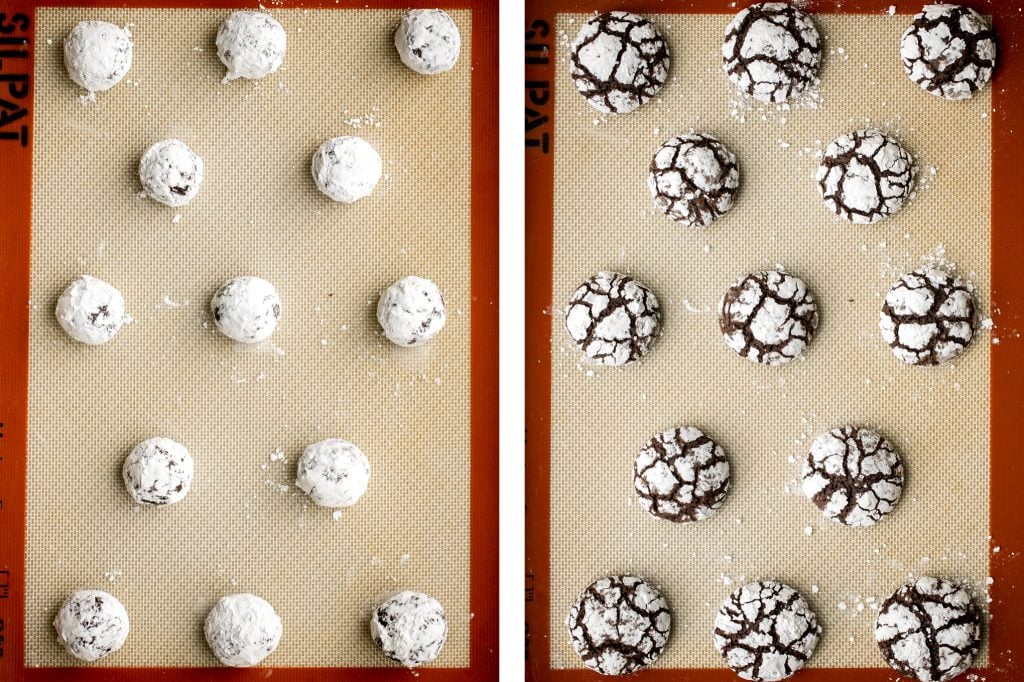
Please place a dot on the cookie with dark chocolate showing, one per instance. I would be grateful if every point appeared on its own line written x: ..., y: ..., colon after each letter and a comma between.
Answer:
x: 865, y: 175
x: 949, y: 50
x: 768, y: 317
x: 928, y: 317
x: 693, y: 179
x: 613, y: 318
x: 681, y: 475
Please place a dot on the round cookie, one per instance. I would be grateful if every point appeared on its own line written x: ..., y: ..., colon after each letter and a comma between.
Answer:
x: 928, y: 630
x: 768, y: 317
x: 853, y: 475
x: 766, y: 631
x: 171, y: 173
x: 865, y: 176
x: 91, y: 624
x: 242, y: 630
x: 693, y: 179
x: 410, y: 628
x: 618, y: 61
x: 949, y: 50
x: 346, y: 168
x: 333, y: 472
x: 251, y: 45
x: 928, y: 317
x: 97, y: 54
x: 619, y: 625
x: 771, y: 51
x: 428, y: 41
x: 90, y: 311
x: 158, y: 471
x: 681, y: 475
x: 613, y: 318
x: 246, y: 309
x: 411, y: 311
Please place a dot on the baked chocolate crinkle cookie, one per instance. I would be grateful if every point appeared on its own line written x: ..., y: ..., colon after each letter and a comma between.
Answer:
x: 693, y: 179
x: 949, y: 50
x: 865, y: 175
x: 928, y: 317
x: 618, y: 61
x: 768, y: 317
x: 681, y: 475
x: 771, y: 51
x: 928, y: 630
x: 766, y: 631
x: 613, y: 318
x: 619, y: 625
x: 853, y: 475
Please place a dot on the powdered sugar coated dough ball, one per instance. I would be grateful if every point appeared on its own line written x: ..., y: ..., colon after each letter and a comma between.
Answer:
x: 158, y: 471
x: 333, y: 472
x: 428, y: 41
x: 251, y: 45
x: 242, y: 630
x: 410, y: 628
x: 171, y: 173
x: 246, y: 309
x: 346, y: 168
x: 97, y: 54
x: 90, y: 310
x: 411, y: 311
x: 91, y: 624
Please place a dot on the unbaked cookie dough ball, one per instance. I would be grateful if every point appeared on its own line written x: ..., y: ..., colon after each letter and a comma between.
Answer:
x: 90, y: 310
x: 693, y: 179
x: 410, y: 628
x: 768, y: 317
x: 428, y: 41
x: 928, y: 317
x: 333, y: 472
x: 91, y: 624
x: 97, y: 54
x: 865, y: 176
x: 246, y: 309
x: 158, y: 471
x: 251, y: 45
x: 618, y: 61
x: 613, y: 318
x: 346, y: 168
x: 242, y: 630
x: 681, y: 475
x: 771, y: 51
x: 411, y: 311
x: 949, y: 50
x: 171, y: 173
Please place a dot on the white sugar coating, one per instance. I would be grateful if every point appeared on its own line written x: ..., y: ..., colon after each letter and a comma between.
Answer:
x: 693, y: 179
x: 410, y: 628
x: 613, y: 318
x: 333, y: 472
x: 865, y: 176
x: 949, y: 50
x: 90, y: 310
x: 242, y: 630
x: 251, y: 45
x: 411, y: 311
x: 91, y: 624
x: 246, y: 309
x: 346, y: 168
x: 158, y: 471
x: 428, y: 41
x: 171, y: 173
x: 97, y: 54
x: 928, y: 317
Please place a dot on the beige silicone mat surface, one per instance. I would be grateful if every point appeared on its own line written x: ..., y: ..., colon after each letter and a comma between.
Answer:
x: 326, y: 372
x: 765, y: 418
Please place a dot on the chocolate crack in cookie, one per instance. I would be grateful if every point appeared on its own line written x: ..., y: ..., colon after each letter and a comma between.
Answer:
x: 766, y: 631
x: 949, y: 50
x: 928, y: 317
x: 681, y: 475
x: 768, y: 317
x: 618, y: 61
x: 771, y: 51
x: 693, y: 179
x: 853, y: 475
x: 613, y: 318
x: 865, y: 176
x: 619, y: 625
x: 928, y: 630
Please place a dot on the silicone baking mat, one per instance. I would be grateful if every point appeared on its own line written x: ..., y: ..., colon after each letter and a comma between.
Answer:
x: 586, y: 423
x: 425, y: 417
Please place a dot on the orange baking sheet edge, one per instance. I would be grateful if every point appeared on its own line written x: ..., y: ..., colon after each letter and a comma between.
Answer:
x: 17, y: 21
x: 1006, y: 634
